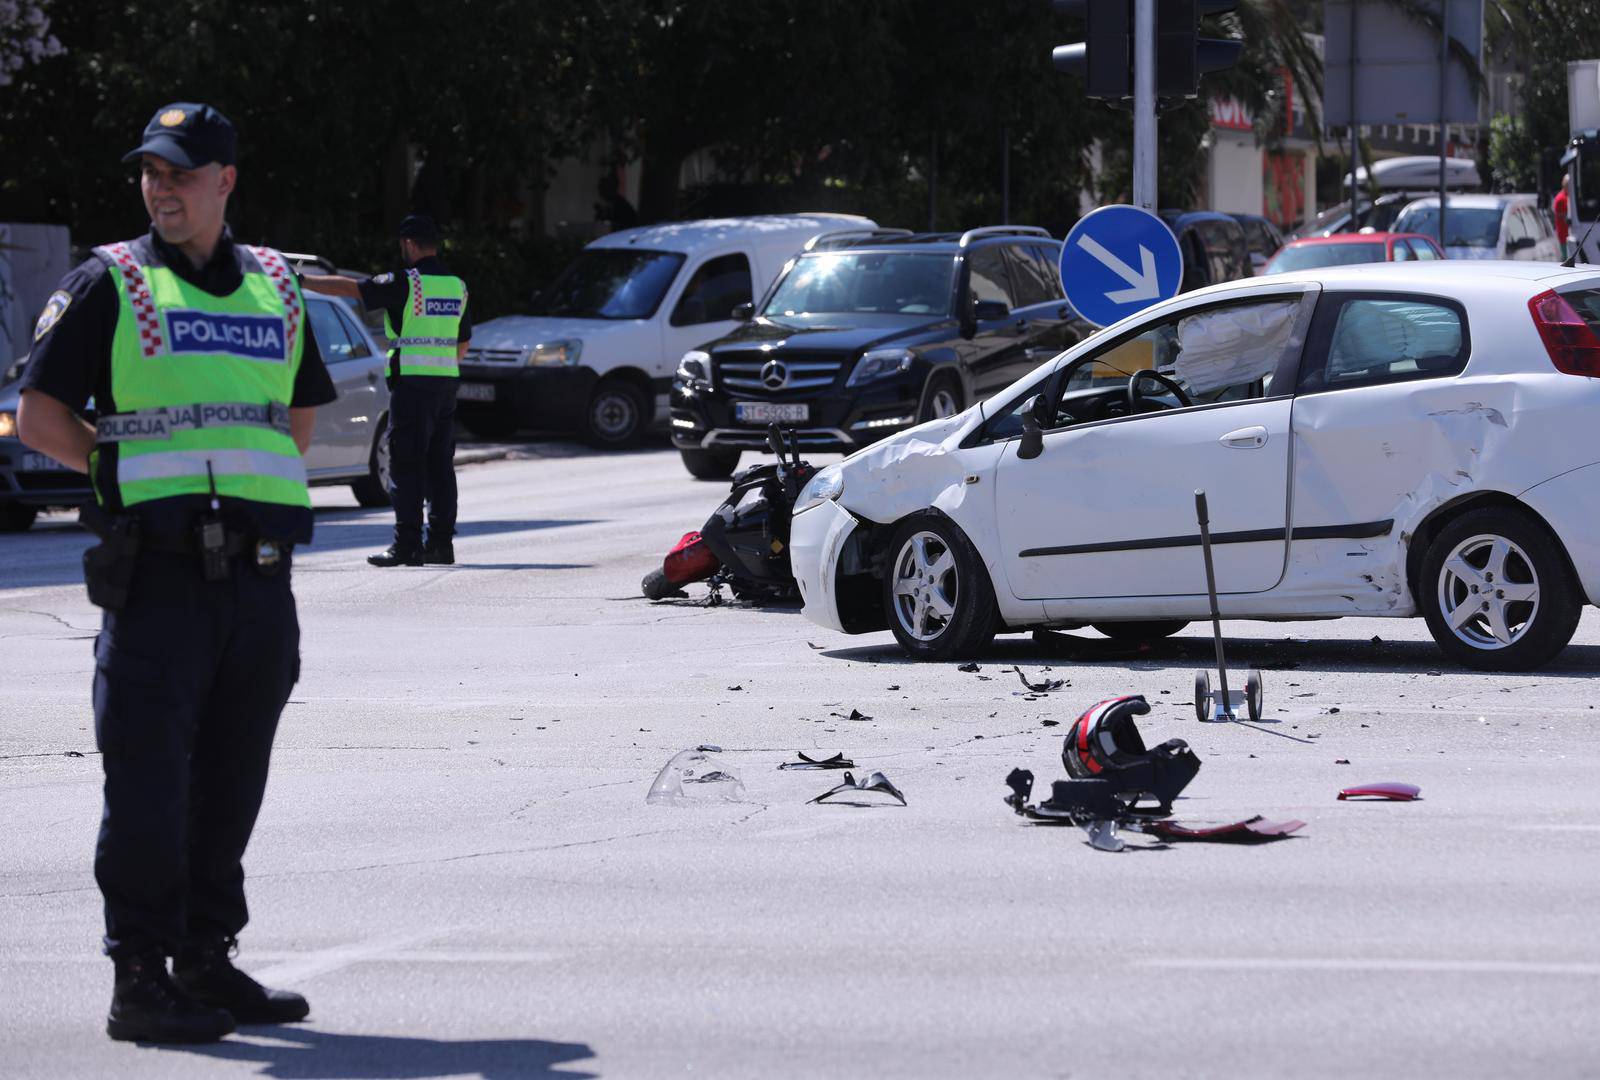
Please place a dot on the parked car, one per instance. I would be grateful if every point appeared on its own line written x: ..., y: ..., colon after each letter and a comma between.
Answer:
x: 1213, y: 245
x: 347, y: 444
x: 597, y: 352
x: 1375, y: 216
x: 1261, y: 236
x: 867, y: 335
x: 1387, y: 440
x: 1347, y: 249
x: 1486, y: 227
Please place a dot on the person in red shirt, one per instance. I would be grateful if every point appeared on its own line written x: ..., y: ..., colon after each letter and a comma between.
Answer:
x: 1560, y: 208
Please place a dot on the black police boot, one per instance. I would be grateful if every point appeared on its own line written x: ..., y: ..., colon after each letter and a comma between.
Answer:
x: 147, y: 1007
x: 205, y: 971
x: 398, y: 554
x: 442, y: 553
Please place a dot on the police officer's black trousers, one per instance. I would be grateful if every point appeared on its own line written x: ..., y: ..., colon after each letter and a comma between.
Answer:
x: 190, y: 677
x: 422, y: 451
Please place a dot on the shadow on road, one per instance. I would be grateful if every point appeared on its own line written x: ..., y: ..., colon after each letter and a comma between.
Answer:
x: 1297, y: 654
x: 339, y: 530
x: 299, y: 1053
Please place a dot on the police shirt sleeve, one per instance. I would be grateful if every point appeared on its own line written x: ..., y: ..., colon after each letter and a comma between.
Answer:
x: 312, y: 383
x: 383, y: 291
x: 71, y: 347
x: 465, y: 333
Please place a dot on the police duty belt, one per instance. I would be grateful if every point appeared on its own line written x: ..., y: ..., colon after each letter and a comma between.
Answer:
x: 154, y: 424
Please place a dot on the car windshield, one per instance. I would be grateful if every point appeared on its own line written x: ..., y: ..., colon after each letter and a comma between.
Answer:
x: 610, y: 283
x: 1312, y: 256
x: 1472, y: 227
x: 886, y: 283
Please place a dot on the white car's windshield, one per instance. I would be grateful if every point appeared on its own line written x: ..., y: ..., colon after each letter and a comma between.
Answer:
x: 1472, y: 227
x: 894, y: 283
x: 610, y: 283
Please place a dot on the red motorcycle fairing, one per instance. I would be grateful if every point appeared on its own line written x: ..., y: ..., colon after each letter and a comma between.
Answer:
x: 691, y: 559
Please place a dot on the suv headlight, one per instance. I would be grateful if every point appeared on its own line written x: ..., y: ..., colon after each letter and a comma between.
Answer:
x: 695, y: 366
x: 879, y: 364
x: 555, y: 354
x: 826, y: 486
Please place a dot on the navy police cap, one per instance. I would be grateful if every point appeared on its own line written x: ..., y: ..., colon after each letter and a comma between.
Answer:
x: 419, y: 227
x: 189, y: 135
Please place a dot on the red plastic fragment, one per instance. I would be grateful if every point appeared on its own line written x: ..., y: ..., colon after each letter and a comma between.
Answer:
x: 1390, y: 790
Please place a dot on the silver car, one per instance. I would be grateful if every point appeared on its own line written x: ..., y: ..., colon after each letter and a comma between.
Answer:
x: 347, y: 445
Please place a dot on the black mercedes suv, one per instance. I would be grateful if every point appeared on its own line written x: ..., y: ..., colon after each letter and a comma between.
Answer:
x: 868, y: 332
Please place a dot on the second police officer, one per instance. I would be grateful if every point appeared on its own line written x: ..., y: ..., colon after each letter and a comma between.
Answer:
x: 425, y: 315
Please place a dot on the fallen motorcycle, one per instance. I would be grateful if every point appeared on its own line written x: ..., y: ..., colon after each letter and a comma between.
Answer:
x: 745, y: 543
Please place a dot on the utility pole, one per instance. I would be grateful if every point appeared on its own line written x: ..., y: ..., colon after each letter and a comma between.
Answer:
x: 1144, y: 104
x: 1444, y: 128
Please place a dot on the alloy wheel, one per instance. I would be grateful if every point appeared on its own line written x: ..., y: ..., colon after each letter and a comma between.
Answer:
x: 926, y: 586
x: 944, y: 403
x: 1488, y: 592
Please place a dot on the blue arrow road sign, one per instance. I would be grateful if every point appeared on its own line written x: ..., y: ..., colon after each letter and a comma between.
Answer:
x: 1118, y: 260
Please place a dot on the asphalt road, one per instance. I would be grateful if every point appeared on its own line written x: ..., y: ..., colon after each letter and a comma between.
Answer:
x: 457, y: 865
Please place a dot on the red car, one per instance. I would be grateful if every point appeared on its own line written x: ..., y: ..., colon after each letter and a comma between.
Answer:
x: 1345, y: 249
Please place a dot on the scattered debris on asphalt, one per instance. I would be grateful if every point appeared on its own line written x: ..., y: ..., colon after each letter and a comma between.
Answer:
x: 1044, y: 687
x: 1341, y: 761
x: 694, y: 778
x: 735, y: 688
x: 1049, y: 723
x: 876, y: 783
x: 1387, y: 790
x: 855, y: 714
x: 970, y: 665
x: 1253, y: 830
x: 807, y: 762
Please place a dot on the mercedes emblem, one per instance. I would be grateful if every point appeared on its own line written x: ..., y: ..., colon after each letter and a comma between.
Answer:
x: 774, y: 374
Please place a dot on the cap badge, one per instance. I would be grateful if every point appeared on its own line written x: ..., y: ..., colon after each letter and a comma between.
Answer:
x: 173, y: 117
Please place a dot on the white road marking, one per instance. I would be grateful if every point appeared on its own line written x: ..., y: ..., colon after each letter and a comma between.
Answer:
x: 309, y: 965
x: 1370, y: 964
x: 292, y: 965
x: 1554, y: 828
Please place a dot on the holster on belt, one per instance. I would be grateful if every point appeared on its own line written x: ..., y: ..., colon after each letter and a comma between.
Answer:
x: 108, y: 565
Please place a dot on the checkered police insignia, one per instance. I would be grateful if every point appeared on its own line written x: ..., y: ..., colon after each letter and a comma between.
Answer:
x: 54, y: 308
x: 173, y: 117
x: 415, y: 279
x: 146, y: 320
x: 277, y: 270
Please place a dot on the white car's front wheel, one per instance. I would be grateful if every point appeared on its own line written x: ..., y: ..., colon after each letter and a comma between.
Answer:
x: 936, y: 592
x: 1497, y: 593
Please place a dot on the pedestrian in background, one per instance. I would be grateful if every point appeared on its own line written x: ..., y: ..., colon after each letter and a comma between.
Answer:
x: 425, y: 314
x: 204, y: 377
x: 1560, y: 208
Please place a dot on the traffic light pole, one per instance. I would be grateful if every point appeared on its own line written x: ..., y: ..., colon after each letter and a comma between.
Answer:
x: 1144, y: 104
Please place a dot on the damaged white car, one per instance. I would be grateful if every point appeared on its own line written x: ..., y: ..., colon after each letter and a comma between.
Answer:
x: 1386, y: 440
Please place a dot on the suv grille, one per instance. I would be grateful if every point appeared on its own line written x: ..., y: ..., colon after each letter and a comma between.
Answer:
x: 508, y: 357
x: 758, y: 373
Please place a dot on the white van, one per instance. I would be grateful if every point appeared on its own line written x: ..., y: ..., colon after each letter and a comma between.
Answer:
x: 1486, y: 227
x: 598, y: 354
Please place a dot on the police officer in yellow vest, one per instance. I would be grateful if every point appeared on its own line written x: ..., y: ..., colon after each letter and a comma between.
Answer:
x: 425, y: 314
x: 195, y: 355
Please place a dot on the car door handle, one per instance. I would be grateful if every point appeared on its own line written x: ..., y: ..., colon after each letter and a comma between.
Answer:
x: 1246, y: 438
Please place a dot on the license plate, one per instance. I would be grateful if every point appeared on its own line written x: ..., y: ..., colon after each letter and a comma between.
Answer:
x: 763, y: 412
x: 33, y: 461
x: 475, y: 391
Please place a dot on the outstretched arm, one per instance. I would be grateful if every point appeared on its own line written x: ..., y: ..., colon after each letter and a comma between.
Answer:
x: 332, y: 285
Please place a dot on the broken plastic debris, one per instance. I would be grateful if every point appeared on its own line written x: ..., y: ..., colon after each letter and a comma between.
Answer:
x: 875, y: 783
x: 855, y: 714
x: 693, y: 778
x: 970, y: 665
x: 1253, y: 830
x: 1040, y: 687
x: 1389, y: 790
x: 837, y: 761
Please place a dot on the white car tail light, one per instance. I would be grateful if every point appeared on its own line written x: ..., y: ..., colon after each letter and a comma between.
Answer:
x: 1572, y: 344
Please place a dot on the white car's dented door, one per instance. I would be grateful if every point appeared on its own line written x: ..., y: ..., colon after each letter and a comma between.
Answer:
x: 1108, y: 508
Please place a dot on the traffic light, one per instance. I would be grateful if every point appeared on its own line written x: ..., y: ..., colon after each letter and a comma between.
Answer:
x: 1105, y: 58
x: 1182, y: 55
